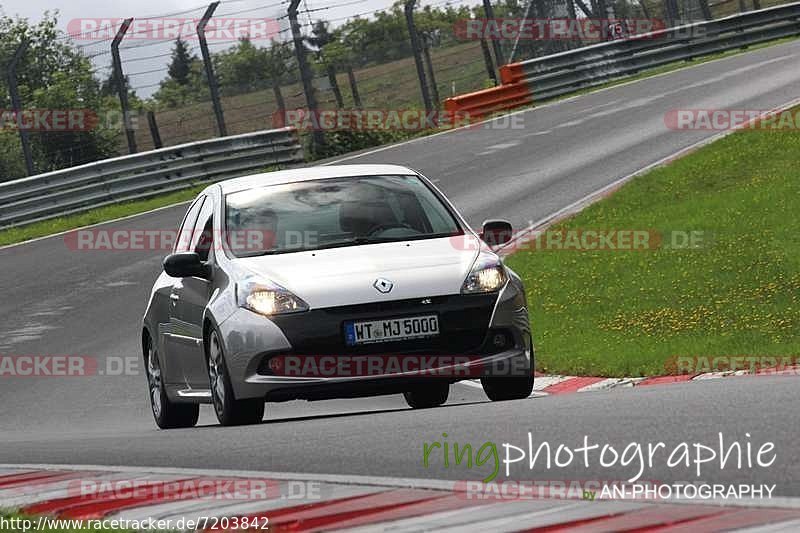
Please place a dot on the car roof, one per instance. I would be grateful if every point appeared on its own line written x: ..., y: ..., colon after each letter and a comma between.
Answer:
x: 311, y: 173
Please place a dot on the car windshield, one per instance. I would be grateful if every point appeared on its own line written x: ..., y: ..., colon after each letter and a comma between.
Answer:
x: 329, y: 213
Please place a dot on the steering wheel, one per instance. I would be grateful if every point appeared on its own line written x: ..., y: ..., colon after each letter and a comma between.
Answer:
x: 385, y: 227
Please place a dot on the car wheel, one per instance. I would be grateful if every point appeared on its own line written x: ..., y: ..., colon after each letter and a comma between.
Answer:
x: 430, y: 395
x: 167, y: 414
x: 229, y: 410
x: 507, y: 388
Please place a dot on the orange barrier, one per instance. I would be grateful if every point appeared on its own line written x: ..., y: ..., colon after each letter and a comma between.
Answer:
x: 500, y: 98
x: 511, y: 73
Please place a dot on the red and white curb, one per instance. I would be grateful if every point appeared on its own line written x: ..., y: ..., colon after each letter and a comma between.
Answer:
x: 545, y: 385
x: 354, y: 503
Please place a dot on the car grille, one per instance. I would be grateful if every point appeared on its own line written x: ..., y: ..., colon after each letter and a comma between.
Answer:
x: 463, y: 324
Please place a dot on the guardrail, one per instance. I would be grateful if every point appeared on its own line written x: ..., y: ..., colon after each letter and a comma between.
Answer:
x: 138, y: 176
x: 558, y: 74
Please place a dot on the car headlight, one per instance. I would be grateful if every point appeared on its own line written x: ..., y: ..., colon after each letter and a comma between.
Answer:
x: 267, y: 298
x: 488, y: 275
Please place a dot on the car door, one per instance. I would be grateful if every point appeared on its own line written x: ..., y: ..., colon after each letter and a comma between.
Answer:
x: 172, y: 342
x: 188, y: 299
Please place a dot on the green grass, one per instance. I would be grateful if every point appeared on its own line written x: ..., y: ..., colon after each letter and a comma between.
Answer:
x: 630, y: 313
x: 56, y: 225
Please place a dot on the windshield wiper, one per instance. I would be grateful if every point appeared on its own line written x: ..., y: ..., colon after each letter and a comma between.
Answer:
x: 357, y: 241
x: 334, y: 244
x: 350, y: 242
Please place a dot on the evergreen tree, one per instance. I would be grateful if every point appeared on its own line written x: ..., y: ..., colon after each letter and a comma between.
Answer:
x: 180, y: 66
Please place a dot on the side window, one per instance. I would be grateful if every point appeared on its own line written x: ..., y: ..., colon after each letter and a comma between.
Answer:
x: 202, y: 237
x: 183, y: 242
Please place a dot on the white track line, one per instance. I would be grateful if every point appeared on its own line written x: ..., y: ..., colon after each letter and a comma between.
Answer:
x: 606, y: 384
x: 542, y: 382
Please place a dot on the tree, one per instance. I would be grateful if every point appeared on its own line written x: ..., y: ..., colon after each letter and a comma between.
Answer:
x: 185, y: 82
x: 52, y: 76
x: 180, y: 67
x: 109, y: 88
x: 279, y: 60
x: 172, y: 94
x: 242, y: 68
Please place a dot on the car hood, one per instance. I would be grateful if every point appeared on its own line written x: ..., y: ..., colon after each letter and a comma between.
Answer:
x: 346, y: 276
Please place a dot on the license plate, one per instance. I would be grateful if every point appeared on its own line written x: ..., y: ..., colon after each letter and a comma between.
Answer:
x: 391, y: 329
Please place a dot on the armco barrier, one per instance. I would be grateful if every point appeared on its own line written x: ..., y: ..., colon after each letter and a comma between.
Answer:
x: 132, y: 177
x: 500, y: 98
x: 566, y: 72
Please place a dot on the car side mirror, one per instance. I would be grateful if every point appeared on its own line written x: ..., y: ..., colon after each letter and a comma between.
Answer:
x: 185, y: 265
x: 496, y: 232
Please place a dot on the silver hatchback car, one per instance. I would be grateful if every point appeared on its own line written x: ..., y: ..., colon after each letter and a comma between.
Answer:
x: 330, y: 282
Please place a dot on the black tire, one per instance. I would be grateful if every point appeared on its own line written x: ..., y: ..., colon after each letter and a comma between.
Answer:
x: 167, y: 414
x: 229, y: 410
x: 507, y: 388
x: 428, y: 395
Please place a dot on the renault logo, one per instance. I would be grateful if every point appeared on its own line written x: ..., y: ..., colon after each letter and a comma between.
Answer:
x: 383, y: 285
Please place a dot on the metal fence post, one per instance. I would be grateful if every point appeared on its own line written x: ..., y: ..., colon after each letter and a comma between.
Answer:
x: 151, y: 121
x: 122, y: 86
x: 337, y: 93
x: 705, y: 9
x: 212, y: 79
x: 16, y: 105
x: 487, y: 58
x: 317, y: 136
x: 426, y: 53
x: 488, y: 10
x: 351, y: 77
x: 416, y: 48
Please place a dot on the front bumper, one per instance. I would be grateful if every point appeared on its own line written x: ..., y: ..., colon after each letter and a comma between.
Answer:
x: 466, y: 347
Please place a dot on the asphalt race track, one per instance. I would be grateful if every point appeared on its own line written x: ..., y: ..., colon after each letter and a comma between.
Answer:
x: 58, y: 301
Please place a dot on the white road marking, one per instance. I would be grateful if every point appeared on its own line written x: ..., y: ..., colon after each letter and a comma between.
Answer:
x: 606, y: 384
x: 542, y: 382
x: 499, y: 147
x: 712, y: 375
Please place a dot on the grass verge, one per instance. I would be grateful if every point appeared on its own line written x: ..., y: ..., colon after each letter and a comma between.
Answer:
x: 631, y: 313
x: 101, y: 214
